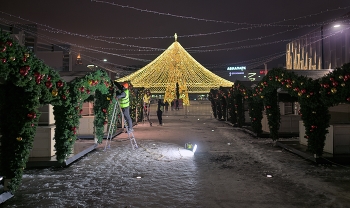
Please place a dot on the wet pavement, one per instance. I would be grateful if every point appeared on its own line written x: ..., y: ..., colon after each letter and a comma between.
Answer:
x: 229, y: 169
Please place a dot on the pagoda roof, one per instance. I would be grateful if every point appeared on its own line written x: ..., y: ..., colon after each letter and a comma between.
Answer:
x: 175, y: 65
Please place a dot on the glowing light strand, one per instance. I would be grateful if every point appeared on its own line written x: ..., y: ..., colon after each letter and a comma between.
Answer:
x: 256, y: 45
x: 260, y: 59
x: 210, y: 20
x: 55, y: 30
x: 79, y: 46
x: 157, y: 49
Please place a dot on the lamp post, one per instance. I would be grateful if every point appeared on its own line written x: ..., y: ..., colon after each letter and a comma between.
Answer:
x: 322, y: 44
x: 322, y: 54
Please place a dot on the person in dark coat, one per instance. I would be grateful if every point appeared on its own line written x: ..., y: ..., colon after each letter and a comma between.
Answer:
x: 160, y: 110
x: 172, y: 104
x: 166, y: 105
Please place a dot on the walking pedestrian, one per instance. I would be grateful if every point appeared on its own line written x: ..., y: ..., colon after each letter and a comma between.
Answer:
x: 160, y: 110
x: 172, y: 105
x: 166, y: 105
x: 124, y: 101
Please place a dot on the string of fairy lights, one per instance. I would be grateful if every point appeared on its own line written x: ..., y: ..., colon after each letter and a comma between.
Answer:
x: 138, y: 49
x: 82, y: 48
x: 96, y: 37
x: 109, y: 66
x: 222, y: 21
x: 251, y: 65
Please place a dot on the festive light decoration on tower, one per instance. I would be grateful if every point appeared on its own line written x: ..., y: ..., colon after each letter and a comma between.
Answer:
x: 176, y: 65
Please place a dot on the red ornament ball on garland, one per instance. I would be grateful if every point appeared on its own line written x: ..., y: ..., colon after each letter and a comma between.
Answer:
x: 31, y: 115
x: 48, y: 84
x: 9, y: 43
x: 59, y: 84
x: 38, y: 79
x: 3, y: 60
x: 24, y: 70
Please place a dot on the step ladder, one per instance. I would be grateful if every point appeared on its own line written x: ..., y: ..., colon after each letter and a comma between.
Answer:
x: 112, y: 130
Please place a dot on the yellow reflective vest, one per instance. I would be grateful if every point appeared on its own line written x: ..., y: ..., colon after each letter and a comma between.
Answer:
x: 124, y: 102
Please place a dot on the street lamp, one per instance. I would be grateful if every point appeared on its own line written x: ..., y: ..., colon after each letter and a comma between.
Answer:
x: 322, y: 55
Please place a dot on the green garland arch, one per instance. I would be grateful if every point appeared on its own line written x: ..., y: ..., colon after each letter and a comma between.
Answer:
x: 314, y: 96
x: 27, y: 83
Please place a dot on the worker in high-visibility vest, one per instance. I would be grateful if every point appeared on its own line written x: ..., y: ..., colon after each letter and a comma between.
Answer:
x: 124, y: 102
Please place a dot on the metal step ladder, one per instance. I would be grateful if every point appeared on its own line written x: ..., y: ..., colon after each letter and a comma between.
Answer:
x: 112, y: 128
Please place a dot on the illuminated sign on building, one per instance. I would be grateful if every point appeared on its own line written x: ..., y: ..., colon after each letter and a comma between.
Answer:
x: 234, y: 73
x: 236, y: 68
x: 251, y: 76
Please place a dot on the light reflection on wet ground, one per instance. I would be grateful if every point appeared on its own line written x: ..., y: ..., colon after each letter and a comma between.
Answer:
x: 167, y: 171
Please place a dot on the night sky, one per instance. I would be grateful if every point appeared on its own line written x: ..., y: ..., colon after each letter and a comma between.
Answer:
x: 217, y: 33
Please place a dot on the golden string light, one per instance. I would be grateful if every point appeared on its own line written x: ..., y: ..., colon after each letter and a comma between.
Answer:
x: 176, y: 65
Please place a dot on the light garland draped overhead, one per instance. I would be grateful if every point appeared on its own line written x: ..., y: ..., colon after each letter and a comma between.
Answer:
x: 176, y: 65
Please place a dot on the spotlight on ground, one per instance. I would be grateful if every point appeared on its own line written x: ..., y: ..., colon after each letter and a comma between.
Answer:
x: 194, y: 148
x: 191, y: 147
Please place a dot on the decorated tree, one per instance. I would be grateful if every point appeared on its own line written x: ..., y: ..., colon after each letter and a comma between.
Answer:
x: 223, y: 102
x: 231, y: 111
x: 239, y: 94
x: 212, y: 98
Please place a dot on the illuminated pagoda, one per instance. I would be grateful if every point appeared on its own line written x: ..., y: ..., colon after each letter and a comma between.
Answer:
x: 176, y: 65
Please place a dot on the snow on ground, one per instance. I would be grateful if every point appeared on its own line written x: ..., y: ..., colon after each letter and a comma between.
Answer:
x: 230, y: 169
